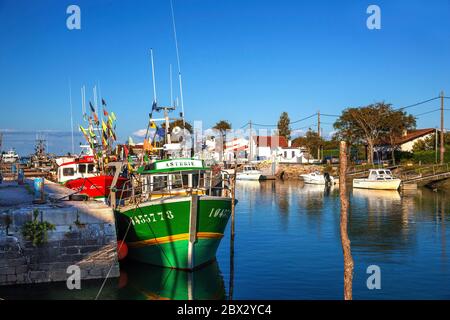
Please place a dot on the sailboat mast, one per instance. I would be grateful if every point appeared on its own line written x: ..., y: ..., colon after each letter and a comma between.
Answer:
x: 71, y: 116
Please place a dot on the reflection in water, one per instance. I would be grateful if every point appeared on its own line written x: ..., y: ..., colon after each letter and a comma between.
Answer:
x: 137, y: 281
x: 287, y: 246
x: 140, y: 281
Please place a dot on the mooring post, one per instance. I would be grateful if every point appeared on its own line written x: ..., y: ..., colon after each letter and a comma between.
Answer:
x: 192, y: 230
x: 346, y: 249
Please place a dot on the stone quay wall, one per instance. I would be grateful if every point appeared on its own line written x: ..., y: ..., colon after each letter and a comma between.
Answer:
x: 84, y: 235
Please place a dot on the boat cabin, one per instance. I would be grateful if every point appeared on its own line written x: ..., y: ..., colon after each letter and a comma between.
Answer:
x: 10, y: 157
x: 249, y: 168
x: 176, y: 177
x: 79, y: 168
x: 380, y: 174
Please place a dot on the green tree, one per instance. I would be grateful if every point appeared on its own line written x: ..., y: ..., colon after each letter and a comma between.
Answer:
x: 363, y: 125
x: 284, y: 126
x: 311, y: 141
x: 222, y: 126
x: 396, y: 123
x: 429, y: 143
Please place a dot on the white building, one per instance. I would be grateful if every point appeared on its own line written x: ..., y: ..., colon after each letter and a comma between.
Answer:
x: 408, y: 139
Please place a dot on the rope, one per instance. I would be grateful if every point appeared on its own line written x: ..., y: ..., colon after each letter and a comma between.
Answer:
x: 112, y: 265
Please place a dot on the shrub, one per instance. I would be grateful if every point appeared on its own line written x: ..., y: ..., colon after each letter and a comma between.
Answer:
x: 36, y: 231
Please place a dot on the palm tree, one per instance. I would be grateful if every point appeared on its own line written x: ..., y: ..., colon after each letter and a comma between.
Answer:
x: 222, y: 126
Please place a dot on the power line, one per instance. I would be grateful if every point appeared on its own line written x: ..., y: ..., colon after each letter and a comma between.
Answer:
x: 244, y: 125
x: 423, y: 113
x: 309, y: 117
x: 418, y: 103
x: 264, y: 125
x: 329, y: 115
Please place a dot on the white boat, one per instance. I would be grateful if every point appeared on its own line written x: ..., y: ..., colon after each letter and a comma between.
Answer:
x: 380, y: 179
x: 10, y: 157
x: 318, y: 178
x: 249, y: 172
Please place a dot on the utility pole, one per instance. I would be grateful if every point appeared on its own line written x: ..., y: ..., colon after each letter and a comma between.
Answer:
x: 436, y: 145
x: 318, y: 133
x: 442, y: 128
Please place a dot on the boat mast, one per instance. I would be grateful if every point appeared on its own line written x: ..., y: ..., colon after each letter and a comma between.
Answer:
x: 153, y: 77
x: 178, y: 63
x: 71, y: 115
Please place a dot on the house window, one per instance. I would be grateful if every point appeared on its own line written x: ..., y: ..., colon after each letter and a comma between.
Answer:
x: 68, y: 172
x: 293, y: 154
x: 285, y: 154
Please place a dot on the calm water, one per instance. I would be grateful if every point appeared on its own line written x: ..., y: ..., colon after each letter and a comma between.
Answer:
x: 288, y: 246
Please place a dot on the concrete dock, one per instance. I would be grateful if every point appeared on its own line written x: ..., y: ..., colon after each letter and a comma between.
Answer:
x: 84, y: 235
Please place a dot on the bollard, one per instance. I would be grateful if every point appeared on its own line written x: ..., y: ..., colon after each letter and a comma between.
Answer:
x: 39, y: 196
x: 20, y: 177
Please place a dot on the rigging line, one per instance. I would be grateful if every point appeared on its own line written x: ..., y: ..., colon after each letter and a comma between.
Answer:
x: 418, y: 103
x: 112, y: 265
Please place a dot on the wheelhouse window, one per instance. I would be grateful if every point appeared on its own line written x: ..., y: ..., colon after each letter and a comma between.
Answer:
x: 91, y: 168
x: 82, y: 168
x: 67, y: 172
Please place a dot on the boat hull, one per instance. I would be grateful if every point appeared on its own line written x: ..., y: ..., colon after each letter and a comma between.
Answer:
x: 393, y: 184
x: 97, y: 187
x: 319, y: 180
x: 249, y: 176
x: 158, y: 230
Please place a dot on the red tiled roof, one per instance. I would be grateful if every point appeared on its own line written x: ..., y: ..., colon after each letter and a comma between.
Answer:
x: 272, y: 142
x: 412, y: 135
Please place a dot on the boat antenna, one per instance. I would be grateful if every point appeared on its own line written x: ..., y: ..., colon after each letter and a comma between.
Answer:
x: 71, y: 115
x: 171, y: 87
x: 178, y: 62
x: 83, y: 102
x: 153, y: 77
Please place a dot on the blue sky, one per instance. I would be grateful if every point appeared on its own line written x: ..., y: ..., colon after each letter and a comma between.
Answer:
x: 241, y: 59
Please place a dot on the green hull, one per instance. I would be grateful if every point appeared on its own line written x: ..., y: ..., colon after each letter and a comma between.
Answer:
x: 158, y: 230
x: 145, y: 282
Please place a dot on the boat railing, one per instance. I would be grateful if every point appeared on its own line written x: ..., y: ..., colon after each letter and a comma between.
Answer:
x: 139, y: 188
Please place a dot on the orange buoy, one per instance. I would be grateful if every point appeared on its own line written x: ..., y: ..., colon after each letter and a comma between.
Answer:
x: 122, y: 249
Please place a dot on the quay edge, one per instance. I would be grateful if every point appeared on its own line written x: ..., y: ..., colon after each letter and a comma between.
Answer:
x: 84, y: 236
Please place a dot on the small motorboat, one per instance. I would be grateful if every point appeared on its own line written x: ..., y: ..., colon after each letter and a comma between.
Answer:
x: 10, y: 157
x: 379, y: 179
x: 249, y: 172
x: 318, y: 178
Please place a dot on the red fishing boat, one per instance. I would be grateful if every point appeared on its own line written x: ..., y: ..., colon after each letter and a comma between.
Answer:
x: 81, y: 174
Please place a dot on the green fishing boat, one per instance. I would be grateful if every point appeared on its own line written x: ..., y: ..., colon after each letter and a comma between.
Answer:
x: 174, y: 213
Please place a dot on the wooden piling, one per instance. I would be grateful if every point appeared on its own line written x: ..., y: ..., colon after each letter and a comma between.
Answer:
x: 346, y: 248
